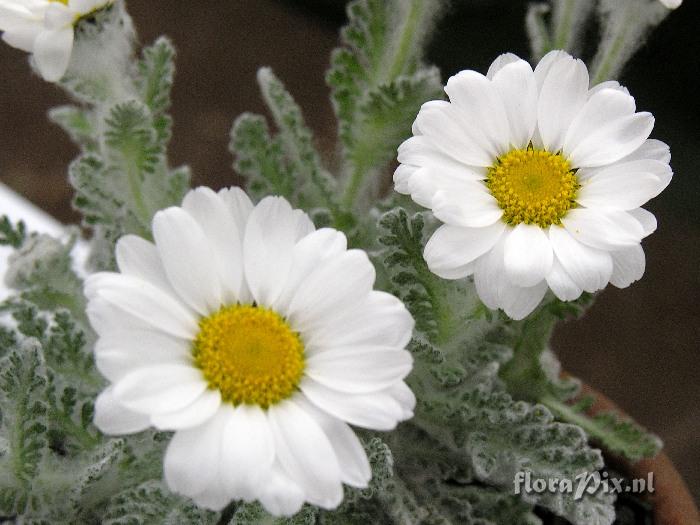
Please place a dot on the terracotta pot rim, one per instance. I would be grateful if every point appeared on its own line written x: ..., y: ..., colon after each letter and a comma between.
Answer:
x: 671, y: 500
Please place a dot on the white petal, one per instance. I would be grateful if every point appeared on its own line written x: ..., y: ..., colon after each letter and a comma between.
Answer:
x: 216, y: 220
x: 280, y: 495
x: 272, y: 231
x: 143, y: 301
x: 306, y: 454
x: 188, y: 259
x: 107, y: 320
x: 160, y: 389
x: 612, y: 141
x: 625, y: 186
x: 380, y: 319
x: 628, y: 266
x: 201, y: 409
x: 651, y: 149
x: 479, y: 101
x: 609, y: 84
x: 515, y: 83
x: 459, y: 272
x: 239, y: 205
x: 425, y: 182
x: 248, y: 451
x: 52, y: 51
x: 452, y: 247
x: 310, y: 253
x: 193, y: 458
x: 495, y: 289
x: 672, y: 4
x: 376, y: 410
x: 500, y: 62
x: 139, y: 258
x: 472, y: 207
x: 404, y: 396
x: 646, y: 219
x: 351, y: 455
x: 545, y: 65
x: 114, y: 419
x: 518, y: 302
x: 420, y: 151
x: 331, y: 288
x: 359, y: 370
x: 564, y: 91
x: 58, y: 16
x: 562, y: 284
x: 588, y: 267
x: 448, y: 130
x: 489, y: 274
x: 402, y: 175
x: 527, y: 255
x: 602, y: 108
x: 606, y: 230
x: 122, y: 351
x: 23, y: 35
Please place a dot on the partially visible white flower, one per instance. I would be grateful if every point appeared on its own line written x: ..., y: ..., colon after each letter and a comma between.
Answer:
x: 671, y: 4
x: 257, y: 339
x: 539, y: 180
x: 46, y: 29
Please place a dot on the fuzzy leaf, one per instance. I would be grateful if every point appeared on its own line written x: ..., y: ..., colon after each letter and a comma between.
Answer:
x: 286, y: 162
x: 42, y: 271
x: 150, y: 503
x: 78, y: 122
x: 423, y: 293
x: 378, y: 83
x: 11, y: 235
x: 297, y: 141
x: 156, y: 74
x: 260, y: 158
x: 23, y: 423
x: 617, y: 434
x: 254, y: 514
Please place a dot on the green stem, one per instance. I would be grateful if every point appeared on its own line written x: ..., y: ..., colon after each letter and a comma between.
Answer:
x: 609, y: 58
x: 443, y: 312
x: 563, y: 30
x: 353, y: 188
x: 523, y: 374
x: 406, y: 39
x: 142, y: 210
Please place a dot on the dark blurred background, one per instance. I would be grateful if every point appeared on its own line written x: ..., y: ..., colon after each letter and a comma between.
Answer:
x: 640, y: 345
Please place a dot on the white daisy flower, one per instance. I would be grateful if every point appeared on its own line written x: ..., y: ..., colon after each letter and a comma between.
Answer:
x: 257, y: 339
x: 46, y: 29
x: 538, y: 180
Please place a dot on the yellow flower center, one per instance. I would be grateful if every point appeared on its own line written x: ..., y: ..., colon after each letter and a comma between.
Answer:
x: 533, y: 186
x: 64, y: 2
x: 250, y: 354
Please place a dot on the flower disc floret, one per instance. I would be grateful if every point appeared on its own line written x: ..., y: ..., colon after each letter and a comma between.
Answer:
x: 533, y: 186
x: 250, y: 354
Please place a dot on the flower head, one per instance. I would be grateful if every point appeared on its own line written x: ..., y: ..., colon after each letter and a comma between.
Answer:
x: 538, y: 179
x: 257, y: 339
x: 46, y: 29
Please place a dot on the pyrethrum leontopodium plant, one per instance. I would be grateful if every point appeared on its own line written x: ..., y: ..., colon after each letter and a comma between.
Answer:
x: 209, y: 368
x: 256, y: 338
x: 539, y: 180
